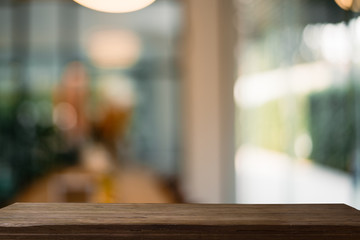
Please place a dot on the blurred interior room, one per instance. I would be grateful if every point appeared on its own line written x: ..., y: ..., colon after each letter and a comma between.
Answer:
x: 180, y: 101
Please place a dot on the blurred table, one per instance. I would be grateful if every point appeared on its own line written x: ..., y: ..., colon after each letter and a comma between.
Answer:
x: 178, y: 221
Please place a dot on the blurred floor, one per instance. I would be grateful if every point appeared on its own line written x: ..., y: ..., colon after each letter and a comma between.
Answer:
x: 265, y: 176
x: 75, y: 184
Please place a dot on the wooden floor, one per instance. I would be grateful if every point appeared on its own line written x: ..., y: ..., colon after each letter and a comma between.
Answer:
x: 178, y: 221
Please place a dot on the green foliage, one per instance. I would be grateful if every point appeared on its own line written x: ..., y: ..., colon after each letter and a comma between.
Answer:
x: 27, y: 148
x: 332, y: 127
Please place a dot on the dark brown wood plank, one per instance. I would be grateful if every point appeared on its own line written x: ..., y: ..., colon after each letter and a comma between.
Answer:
x: 178, y: 221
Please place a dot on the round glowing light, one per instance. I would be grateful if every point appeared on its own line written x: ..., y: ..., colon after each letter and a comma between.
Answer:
x: 118, y: 91
x: 115, y: 6
x: 353, y: 5
x: 65, y: 116
x: 114, y: 48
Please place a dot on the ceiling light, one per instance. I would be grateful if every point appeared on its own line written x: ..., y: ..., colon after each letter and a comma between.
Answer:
x: 115, y: 6
x: 353, y: 5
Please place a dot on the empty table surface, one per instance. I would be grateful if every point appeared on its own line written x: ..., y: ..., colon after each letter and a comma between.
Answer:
x: 179, y: 221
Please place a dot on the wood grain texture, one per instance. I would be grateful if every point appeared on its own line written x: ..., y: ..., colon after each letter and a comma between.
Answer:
x: 178, y: 221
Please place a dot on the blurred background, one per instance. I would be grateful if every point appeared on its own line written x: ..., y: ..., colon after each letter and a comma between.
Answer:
x: 208, y: 101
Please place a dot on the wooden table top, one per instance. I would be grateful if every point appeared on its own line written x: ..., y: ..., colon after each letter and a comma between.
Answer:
x: 178, y: 221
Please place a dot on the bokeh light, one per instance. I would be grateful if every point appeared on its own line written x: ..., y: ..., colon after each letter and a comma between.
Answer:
x: 114, y: 48
x: 353, y: 5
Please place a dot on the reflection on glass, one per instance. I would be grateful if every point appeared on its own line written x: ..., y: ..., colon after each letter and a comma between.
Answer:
x: 79, y: 103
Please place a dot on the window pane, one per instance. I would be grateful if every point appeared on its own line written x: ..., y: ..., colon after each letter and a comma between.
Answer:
x: 297, y: 101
